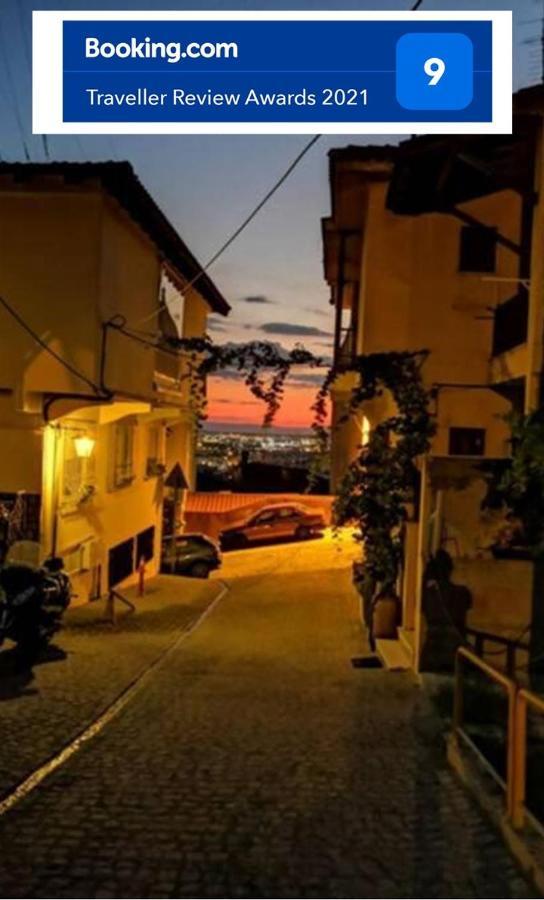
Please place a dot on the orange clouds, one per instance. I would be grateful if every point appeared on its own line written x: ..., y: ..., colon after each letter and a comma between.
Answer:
x: 229, y: 400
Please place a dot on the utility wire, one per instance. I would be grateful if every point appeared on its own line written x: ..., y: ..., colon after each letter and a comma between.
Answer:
x: 35, y: 337
x: 14, y: 100
x: 28, y: 59
x: 300, y: 156
x: 251, y: 216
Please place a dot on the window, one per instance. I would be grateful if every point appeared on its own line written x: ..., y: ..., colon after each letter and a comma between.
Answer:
x: 288, y: 512
x: 154, y: 463
x: 510, y: 324
x: 123, y: 454
x: 477, y: 249
x: 467, y: 442
x: 264, y: 517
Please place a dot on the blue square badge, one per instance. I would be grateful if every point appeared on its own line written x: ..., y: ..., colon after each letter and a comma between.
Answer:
x: 435, y: 71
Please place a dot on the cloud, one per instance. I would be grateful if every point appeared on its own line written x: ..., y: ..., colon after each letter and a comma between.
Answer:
x: 288, y: 328
x: 257, y: 298
x: 307, y: 378
x: 215, y: 324
x: 318, y: 312
x: 228, y: 401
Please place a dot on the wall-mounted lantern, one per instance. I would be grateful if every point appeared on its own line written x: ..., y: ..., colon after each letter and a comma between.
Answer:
x: 84, y: 446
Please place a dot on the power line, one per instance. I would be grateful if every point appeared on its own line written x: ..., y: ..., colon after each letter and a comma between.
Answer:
x: 252, y: 214
x: 35, y: 337
x: 14, y: 100
x: 28, y: 60
x: 292, y: 166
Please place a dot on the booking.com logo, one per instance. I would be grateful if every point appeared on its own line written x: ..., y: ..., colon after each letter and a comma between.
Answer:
x: 172, y: 51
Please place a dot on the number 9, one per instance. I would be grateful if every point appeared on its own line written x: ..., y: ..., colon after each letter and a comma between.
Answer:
x: 434, y: 67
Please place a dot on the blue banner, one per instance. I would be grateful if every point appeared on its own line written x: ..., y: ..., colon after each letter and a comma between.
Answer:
x: 277, y: 71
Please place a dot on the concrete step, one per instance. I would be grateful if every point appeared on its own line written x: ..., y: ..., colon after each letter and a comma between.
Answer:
x: 407, y: 637
x: 393, y: 655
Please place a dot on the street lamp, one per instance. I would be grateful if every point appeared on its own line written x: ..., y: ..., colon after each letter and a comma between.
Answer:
x: 84, y: 446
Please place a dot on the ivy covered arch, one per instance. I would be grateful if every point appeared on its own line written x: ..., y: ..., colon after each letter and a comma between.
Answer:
x: 380, y: 481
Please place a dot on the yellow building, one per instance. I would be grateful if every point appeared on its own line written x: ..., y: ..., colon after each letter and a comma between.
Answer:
x: 92, y: 414
x: 432, y: 245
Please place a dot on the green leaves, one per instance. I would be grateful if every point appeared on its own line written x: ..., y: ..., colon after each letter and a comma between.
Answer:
x: 521, y: 485
x: 380, y: 481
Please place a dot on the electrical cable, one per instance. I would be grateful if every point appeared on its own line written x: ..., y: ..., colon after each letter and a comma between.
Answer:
x: 292, y: 166
x: 14, y: 101
x: 28, y: 60
x: 252, y: 214
x: 35, y: 337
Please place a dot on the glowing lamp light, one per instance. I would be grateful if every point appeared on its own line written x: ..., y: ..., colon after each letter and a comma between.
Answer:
x: 84, y: 446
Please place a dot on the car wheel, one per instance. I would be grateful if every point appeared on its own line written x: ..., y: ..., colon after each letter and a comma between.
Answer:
x: 303, y: 533
x: 199, y: 570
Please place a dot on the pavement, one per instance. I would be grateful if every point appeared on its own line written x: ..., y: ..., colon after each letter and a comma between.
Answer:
x: 91, y: 663
x: 258, y: 762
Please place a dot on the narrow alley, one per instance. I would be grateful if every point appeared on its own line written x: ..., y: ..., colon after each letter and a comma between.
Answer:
x: 258, y: 762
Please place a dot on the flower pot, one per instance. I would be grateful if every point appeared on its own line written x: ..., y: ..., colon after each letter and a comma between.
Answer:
x: 385, y: 616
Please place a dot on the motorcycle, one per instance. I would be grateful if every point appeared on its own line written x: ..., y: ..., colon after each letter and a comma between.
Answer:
x: 32, y: 602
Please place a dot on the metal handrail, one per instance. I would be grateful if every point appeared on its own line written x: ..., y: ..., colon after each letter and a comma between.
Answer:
x: 511, y: 645
x: 524, y: 700
x: 511, y: 690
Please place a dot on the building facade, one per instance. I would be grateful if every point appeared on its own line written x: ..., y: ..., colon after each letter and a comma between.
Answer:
x: 95, y: 404
x: 435, y: 245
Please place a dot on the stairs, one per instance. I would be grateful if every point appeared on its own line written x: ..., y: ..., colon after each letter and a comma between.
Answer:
x: 396, y: 654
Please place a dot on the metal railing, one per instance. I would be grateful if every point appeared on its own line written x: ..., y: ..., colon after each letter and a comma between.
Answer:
x: 519, y: 702
x: 510, y: 645
x: 525, y: 700
x: 509, y: 688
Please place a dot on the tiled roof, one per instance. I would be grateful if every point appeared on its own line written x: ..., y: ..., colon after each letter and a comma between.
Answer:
x: 223, y: 502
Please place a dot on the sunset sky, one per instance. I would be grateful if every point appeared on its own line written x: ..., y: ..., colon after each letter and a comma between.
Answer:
x: 206, y: 185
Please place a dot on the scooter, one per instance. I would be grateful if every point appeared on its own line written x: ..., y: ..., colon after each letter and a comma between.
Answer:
x: 32, y: 602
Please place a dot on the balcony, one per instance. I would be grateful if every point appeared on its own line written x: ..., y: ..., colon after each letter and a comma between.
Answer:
x: 510, y: 324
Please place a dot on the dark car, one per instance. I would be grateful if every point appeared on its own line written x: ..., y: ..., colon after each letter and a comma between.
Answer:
x: 276, y: 522
x: 195, y: 555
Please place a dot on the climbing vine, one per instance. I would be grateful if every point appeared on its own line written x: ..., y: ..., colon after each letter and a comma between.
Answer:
x: 517, y: 485
x: 382, y: 479
x: 263, y: 366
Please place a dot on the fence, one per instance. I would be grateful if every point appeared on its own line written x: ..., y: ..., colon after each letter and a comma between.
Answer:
x: 519, y: 701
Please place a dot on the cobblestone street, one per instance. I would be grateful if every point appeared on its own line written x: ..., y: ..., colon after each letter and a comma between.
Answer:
x: 257, y: 762
x: 39, y: 715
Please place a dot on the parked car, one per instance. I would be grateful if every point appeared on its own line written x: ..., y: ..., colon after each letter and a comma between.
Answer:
x: 195, y: 555
x: 275, y: 522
